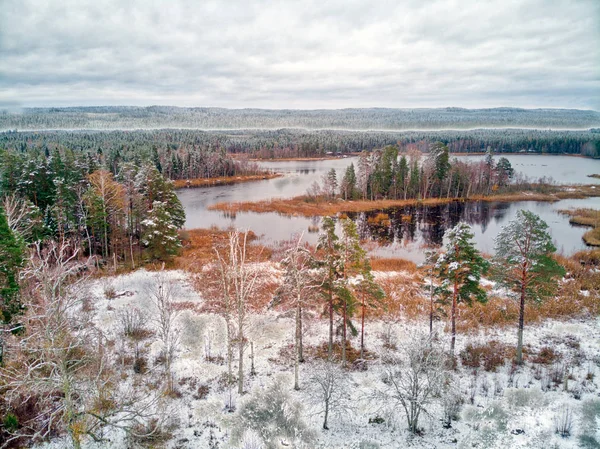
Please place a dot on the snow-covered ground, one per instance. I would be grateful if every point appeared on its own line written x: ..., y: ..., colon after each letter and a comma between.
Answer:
x: 509, y: 408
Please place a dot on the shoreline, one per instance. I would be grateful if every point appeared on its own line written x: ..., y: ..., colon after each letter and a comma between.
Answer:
x: 461, y: 153
x: 300, y: 205
x: 221, y: 180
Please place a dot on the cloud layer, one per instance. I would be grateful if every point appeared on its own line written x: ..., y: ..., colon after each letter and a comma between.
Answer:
x: 301, y: 54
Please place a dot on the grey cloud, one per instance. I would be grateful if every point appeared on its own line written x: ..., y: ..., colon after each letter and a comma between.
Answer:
x: 309, y: 54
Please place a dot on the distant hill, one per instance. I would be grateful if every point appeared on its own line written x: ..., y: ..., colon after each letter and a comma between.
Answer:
x: 131, y: 117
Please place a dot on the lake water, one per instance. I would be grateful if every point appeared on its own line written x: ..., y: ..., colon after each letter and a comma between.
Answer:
x: 410, y: 228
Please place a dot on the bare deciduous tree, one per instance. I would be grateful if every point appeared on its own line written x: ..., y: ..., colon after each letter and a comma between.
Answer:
x: 330, y: 383
x: 59, y: 367
x: 415, y: 378
x: 239, y: 282
x: 164, y: 319
x: 298, y: 289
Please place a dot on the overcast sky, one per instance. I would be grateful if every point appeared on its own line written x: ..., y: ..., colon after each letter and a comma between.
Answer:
x: 301, y: 54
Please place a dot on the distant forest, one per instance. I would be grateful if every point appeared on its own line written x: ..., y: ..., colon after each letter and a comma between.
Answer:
x: 181, y: 154
x: 348, y: 119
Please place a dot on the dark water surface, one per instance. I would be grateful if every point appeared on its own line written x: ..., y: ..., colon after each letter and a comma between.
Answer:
x: 408, y: 228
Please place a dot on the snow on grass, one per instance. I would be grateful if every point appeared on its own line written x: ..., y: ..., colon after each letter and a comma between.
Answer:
x: 513, y: 407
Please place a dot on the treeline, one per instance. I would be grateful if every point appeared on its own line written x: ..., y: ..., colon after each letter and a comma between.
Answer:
x: 385, y: 174
x: 193, y: 153
x: 131, y: 117
x: 175, y: 154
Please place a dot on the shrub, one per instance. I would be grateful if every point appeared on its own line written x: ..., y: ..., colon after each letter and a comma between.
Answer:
x: 110, y: 292
x: 524, y: 397
x: 150, y: 434
x: 563, y: 422
x: 133, y: 324
x: 274, y: 416
x: 546, y: 356
x: 202, y: 392
x: 10, y: 422
x: 140, y: 365
x: 490, y: 355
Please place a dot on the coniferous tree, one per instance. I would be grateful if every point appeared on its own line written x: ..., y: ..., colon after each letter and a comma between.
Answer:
x: 348, y: 187
x: 11, y: 260
x: 459, y: 269
x: 159, y: 233
x: 523, y: 263
x: 331, y: 263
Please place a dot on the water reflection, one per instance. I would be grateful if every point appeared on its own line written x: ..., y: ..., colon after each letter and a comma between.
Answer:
x: 401, y: 232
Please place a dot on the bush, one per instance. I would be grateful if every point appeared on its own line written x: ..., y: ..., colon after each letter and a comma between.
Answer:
x: 133, y: 324
x: 150, y: 434
x: 10, y: 422
x: 274, y: 416
x: 490, y: 355
x: 524, y: 397
x: 140, y: 365
x: 202, y: 392
x: 546, y: 356
x: 109, y: 291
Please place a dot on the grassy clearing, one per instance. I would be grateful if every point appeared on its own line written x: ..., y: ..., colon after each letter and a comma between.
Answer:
x: 222, y: 180
x: 586, y: 217
x: 199, y: 248
x: 310, y: 206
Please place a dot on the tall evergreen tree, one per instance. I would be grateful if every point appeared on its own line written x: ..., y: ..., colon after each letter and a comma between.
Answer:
x: 459, y: 269
x: 523, y: 263
x: 331, y: 263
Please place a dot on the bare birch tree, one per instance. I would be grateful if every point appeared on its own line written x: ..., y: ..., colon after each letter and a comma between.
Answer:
x: 239, y: 282
x: 299, y: 287
x: 166, y: 314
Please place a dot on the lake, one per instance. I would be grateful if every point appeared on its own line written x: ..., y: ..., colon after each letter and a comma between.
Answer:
x: 410, y: 228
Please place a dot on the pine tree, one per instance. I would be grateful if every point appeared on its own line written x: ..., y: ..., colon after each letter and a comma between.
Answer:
x: 459, y: 270
x: 523, y: 263
x: 331, y: 263
x: 370, y: 295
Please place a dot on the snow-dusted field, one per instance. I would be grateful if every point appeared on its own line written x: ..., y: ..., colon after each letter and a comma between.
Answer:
x: 508, y: 408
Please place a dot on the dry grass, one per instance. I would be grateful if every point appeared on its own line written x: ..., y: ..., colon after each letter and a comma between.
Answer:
x: 393, y: 264
x: 222, y: 180
x: 586, y: 217
x: 199, y: 249
x: 578, y: 296
x: 311, y: 206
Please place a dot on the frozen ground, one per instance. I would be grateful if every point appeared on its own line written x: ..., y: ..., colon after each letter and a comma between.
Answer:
x: 508, y: 408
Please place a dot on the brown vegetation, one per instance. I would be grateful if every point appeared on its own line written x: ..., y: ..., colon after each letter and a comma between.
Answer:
x: 586, y: 217
x: 393, y: 264
x: 222, y: 180
x: 311, y: 206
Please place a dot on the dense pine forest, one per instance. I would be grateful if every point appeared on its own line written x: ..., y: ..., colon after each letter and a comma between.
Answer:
x: 193, y: 153
x: 131, y: 117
